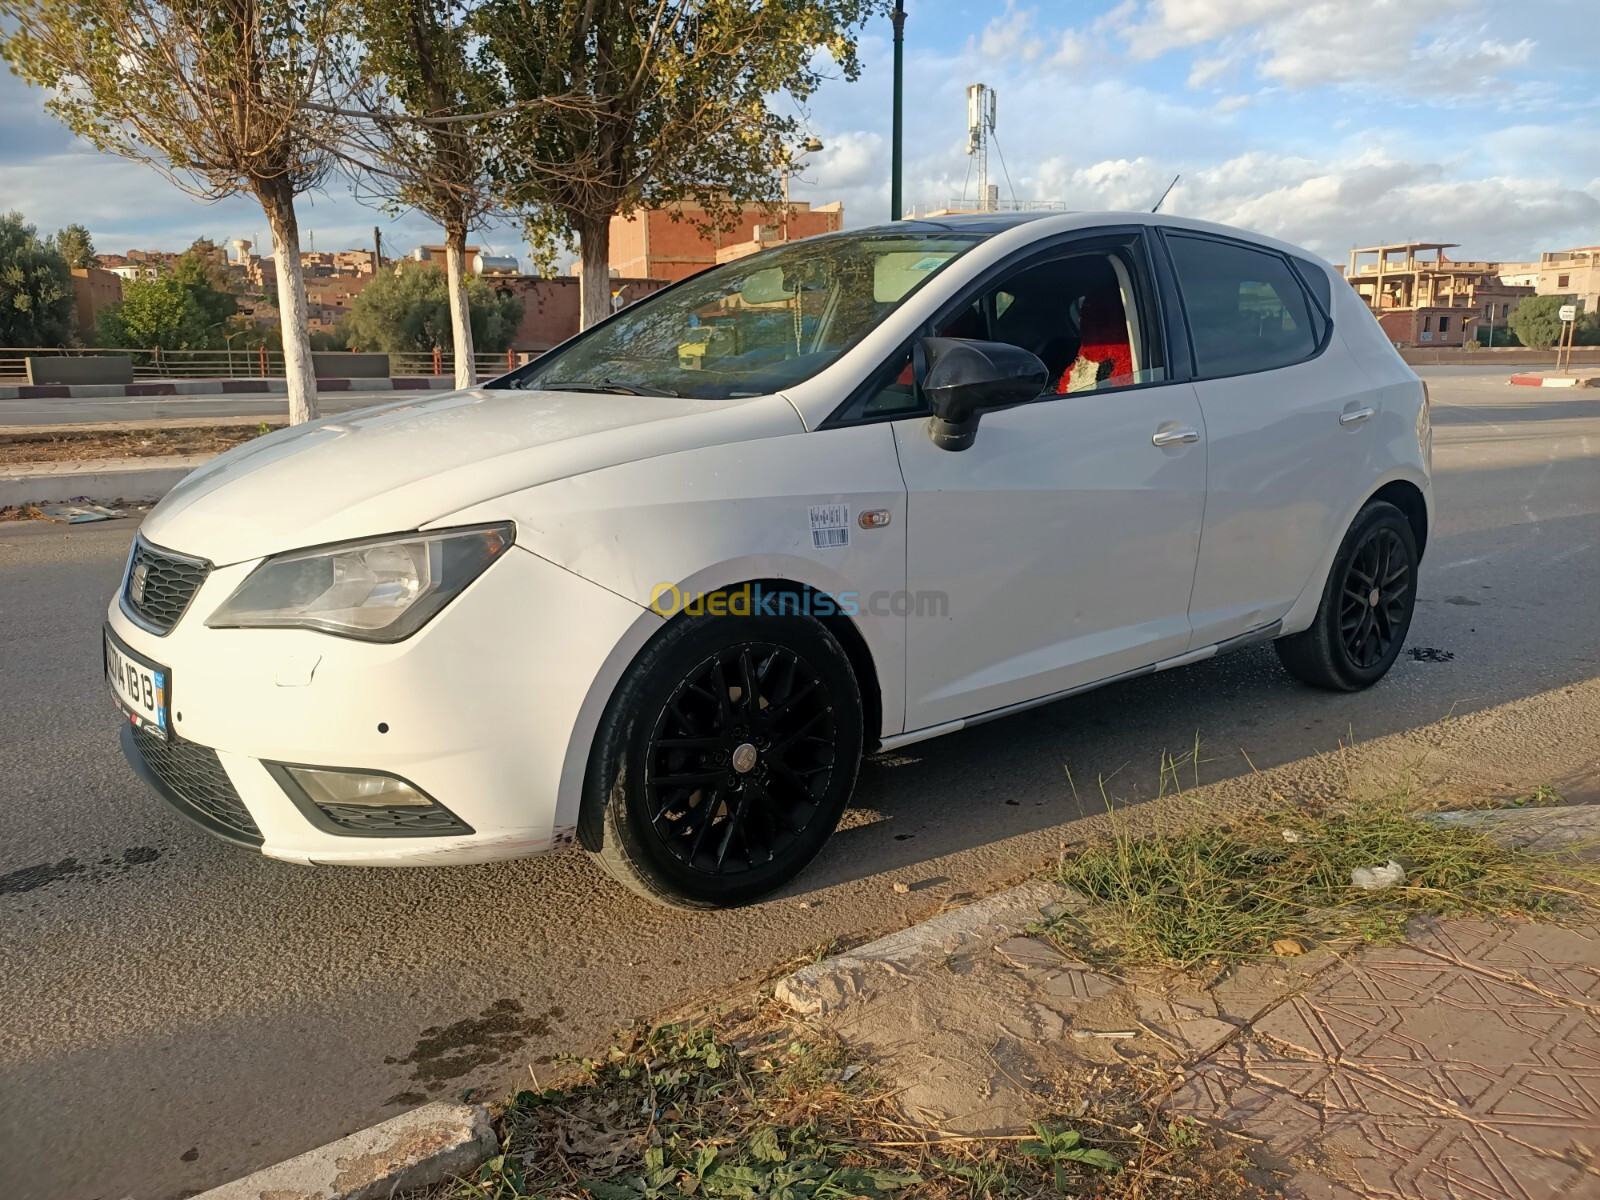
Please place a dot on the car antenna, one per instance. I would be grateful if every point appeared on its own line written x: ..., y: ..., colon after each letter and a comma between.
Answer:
x: 1166, y: 193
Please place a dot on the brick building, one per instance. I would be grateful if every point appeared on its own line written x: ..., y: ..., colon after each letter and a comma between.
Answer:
x: 550, y: 309
x: 1421, y: 297
x: 92, y: 289
x: 664, y: 243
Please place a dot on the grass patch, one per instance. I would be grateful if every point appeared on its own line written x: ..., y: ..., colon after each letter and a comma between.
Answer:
x: 756, y: 1104
x: 1277, y: 882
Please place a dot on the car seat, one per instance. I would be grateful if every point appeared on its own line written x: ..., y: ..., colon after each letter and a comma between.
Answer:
x: 1105, y: 354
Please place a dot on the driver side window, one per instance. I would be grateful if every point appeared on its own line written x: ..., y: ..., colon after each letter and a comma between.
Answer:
x: 1088, y: 315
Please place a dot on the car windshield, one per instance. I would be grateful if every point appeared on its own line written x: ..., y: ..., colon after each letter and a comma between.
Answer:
x: 754, y: 325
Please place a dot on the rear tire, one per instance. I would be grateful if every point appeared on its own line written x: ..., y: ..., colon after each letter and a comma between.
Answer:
x: 1366, y: 606
x: 724, y: 759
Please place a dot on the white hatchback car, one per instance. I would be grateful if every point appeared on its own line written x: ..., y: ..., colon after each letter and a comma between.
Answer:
x: 659, y: 590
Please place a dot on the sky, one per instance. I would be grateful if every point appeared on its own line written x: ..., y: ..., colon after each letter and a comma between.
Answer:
x: 1330, y: 123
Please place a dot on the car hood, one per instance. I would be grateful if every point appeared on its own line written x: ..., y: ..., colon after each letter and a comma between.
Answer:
x: 405, y: 465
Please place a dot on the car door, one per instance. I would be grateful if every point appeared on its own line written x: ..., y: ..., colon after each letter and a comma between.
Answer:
x: 1058, y: 549
x: 1288, y: 428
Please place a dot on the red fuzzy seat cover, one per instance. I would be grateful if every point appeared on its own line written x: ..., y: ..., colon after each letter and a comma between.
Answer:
x: 1104, y: 354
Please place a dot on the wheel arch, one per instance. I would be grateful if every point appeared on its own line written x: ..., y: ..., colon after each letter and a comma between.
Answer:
x: 1408, y: 498
x: 1410, y: 491
x: 576, y: 799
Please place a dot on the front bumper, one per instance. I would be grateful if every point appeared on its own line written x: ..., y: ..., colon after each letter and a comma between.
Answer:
x: 477, y: 710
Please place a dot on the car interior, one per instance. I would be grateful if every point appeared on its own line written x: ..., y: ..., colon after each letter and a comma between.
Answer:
x: 1076, y: 314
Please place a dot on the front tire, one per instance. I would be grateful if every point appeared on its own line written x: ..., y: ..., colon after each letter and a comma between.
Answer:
x: 724, y: 760
x: 1366, y: 606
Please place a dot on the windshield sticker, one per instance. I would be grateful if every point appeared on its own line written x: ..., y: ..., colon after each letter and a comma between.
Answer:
x: 931, y: 263
x: 830, y: 526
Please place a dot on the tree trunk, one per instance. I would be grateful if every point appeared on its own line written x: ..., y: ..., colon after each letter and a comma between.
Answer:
x: 278, y: 202
x: 594, y: 246
x: 455, y: 263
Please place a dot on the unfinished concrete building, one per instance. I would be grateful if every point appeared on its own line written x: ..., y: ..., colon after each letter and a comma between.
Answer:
x: 1421, y: 297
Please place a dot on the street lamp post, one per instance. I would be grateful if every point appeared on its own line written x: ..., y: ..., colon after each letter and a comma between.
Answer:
x: 810, y: 146
x: 896, y: 209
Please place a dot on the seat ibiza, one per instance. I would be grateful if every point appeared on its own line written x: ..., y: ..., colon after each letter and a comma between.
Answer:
x: 657, y: 592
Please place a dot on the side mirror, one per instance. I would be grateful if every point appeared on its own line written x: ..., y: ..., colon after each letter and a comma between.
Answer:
x: 964, y: 379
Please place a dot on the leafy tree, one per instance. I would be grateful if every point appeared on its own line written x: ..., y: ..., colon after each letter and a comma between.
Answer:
x: 181, y: 309
x: 1536, y: 322
x: 211, y: 93
x: 35, y: 287
x: 77, y: 247
x: 416, y: 77
x: 408, y: 311
x: 612, y: 105
x: 212, y: 261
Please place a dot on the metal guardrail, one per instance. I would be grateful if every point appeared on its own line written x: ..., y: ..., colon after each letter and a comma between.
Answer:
x: 255, y: 363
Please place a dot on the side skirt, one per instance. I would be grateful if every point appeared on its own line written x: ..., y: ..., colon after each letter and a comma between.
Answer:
x: 1265, y: 634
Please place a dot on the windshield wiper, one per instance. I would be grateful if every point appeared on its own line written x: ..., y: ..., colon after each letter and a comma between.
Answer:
x: 605, y: 386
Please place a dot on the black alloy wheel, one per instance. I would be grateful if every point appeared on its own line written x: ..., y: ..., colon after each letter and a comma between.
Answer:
x: 1373, y: 606
x: 1366, y: 606
x: 740, y: 758
x: 724, y: 759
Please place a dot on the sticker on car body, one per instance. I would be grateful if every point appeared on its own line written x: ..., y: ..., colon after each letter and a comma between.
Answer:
x: 830, y: 526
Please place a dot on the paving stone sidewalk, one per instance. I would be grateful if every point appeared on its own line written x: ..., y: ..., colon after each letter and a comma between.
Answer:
x: 1463, y: 1064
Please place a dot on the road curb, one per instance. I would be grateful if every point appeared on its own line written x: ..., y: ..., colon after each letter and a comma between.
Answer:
x: 834, y: 983
x: 134, y: 484
x: 415, y: 1149
x: 217, y: 387
x: 1561, y: 381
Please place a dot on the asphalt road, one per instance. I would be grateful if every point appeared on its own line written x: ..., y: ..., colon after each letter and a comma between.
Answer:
x: 175, y: 1011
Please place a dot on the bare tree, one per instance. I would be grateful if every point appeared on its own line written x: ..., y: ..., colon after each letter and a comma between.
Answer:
x: 210, y: 93
x: 610, y: 105
x: 412, y: 80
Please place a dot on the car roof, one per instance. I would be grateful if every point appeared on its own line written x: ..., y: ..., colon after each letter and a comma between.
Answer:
x: 975, y: 222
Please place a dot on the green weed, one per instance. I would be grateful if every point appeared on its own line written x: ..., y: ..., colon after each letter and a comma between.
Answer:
x: 1231, y: 889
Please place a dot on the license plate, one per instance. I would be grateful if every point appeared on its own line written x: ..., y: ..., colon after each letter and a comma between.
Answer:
x: 141, y: 688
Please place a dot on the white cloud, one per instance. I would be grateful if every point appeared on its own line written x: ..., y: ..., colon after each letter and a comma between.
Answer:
x: 1011, y: 35
x: 1073, y: 49
x: 1307, y: 43
x: 1328, y: 207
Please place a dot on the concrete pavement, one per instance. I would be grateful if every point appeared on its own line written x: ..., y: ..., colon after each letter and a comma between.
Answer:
x: 205, y: 1012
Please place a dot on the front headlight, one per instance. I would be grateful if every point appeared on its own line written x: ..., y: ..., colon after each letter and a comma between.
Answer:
x: 378, y: 590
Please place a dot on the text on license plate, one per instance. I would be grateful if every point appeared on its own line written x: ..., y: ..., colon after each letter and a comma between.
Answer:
x: 140, y: 687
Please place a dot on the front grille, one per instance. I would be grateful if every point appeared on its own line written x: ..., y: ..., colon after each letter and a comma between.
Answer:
x: 159, y: 585
x: 191, y: 778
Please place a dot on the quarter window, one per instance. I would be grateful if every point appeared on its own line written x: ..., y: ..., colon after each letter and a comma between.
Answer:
x: 1247, y: 311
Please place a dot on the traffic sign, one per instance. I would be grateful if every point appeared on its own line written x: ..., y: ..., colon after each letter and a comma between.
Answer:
x: 1568, y: 312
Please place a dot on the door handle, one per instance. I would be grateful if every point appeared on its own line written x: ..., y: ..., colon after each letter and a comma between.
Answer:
x: 1175, y: 437
x: 1355, y: 416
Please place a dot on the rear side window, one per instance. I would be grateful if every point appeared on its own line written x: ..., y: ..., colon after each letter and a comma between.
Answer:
x: 1247, y: 311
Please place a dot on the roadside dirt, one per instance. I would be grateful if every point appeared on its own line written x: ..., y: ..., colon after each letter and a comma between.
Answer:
x: 74, y: 446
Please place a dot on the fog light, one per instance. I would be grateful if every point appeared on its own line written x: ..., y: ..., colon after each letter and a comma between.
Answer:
x: 364, y: 803
x: 355, y: 787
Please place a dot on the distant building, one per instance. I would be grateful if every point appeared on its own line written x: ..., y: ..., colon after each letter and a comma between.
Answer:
x: 92, y: 289
x: 550, y: 309
x: 355, y: 262
x: 1421, y: 297
x: 665, y: 243
x: 329, y: 298
x: 1573, y: 272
